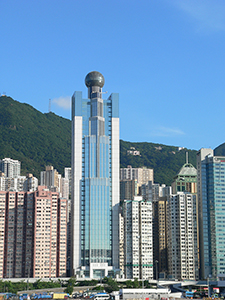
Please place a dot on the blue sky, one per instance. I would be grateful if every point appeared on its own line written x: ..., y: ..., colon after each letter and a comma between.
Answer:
x: 165, y: 58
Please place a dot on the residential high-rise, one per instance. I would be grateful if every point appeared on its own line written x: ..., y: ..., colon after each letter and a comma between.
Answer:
x: 31, y: 183
x: 142, y: 175
x: 128, y: 189
x: 33, y: 234
x: 158, y: 195
x: 121, y: 241
x: 211, y: 207
x: 27, y: 183
x: 67, y: 175
x: 95, y: 181
x: 138, y: 243
x: 10, y: 167
x: 52, y: 179
x: 182, y: 238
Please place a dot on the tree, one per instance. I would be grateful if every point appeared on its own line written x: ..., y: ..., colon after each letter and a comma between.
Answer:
x: 70, y: 284
x: 69, y: 290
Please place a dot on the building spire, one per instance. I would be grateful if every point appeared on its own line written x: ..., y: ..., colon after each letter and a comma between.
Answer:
x: 186, y: 157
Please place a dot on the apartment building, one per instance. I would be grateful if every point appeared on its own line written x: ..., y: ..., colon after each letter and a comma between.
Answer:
x: 10, y: 167
x: 182, y: 237
x: 51, y: 178
x: 158, y: 195
x: 142, y: 175
x: 27, y: 183
x: 34, y: 225
x: 138, y: 241
x: 121, y: 241
x: 68, y: 176
x: 128, y: 189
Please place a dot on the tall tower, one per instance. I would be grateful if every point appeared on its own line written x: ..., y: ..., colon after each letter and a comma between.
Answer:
x: 95, y: 181
x: 211, y: 209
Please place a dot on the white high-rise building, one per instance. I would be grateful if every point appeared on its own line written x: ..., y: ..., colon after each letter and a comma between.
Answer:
x: 27, y: 183
x: 121, y: 241
x: 2, y: 183
x: 31, y: 183
x: 17, y: 183
x: 68, y: 176
x: 138, y: 239
x: 65, y: 188
x: 95, y: 181
x: 182, y: 237
x: 10, y: 167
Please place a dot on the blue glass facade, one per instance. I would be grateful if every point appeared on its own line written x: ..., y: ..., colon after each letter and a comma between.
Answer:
x: 96, y: 183
x: 213, y: 212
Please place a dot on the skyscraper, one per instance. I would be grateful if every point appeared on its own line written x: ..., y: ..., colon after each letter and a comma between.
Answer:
x: 211, y: 209
x: 95, y: 180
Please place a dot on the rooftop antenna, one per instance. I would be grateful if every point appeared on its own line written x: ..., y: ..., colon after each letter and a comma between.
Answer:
x: 49, y: 106
x: 186, y: 157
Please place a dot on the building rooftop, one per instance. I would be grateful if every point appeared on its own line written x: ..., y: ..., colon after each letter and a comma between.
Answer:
x: 94, y: 79
x: 188, y: 170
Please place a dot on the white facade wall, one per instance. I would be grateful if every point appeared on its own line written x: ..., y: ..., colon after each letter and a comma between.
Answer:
x: 121, y: 241
x: 31, y: 184
x: 68, y: 176
x: 138, y: 239
x: 2, y: 183
x: 76, y: 187
x: 182, y: 237
x: 17, y: 183
x: 2, y: 230
x: 10, y: 167
x: 115, y: 190
x: 65, y: 188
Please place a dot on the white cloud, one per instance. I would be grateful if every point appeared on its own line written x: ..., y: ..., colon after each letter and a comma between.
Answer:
x: 63, y: 102
x: 209, y: 14
x: 167, y: 132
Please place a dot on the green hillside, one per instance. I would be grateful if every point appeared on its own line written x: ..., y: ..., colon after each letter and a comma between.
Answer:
x: 165, y: 160
x: 34, y: 138
x: 38, y: 139
x: 220, y: 150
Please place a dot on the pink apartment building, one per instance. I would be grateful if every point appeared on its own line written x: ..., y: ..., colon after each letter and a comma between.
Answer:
x: 33, y: 231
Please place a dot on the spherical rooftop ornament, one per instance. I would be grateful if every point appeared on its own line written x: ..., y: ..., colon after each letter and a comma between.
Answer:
x: 94, y: 79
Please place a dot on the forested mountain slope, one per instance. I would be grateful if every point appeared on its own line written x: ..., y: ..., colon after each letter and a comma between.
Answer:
x: 38, y: 139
